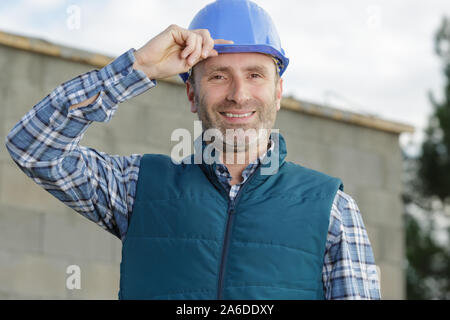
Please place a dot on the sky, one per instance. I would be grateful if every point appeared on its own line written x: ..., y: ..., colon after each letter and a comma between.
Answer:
x: 371, y: 57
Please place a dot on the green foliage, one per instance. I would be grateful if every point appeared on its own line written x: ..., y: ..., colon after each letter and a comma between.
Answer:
x: 434, y: 164
x: 428, y: 263
x: 427, y: 274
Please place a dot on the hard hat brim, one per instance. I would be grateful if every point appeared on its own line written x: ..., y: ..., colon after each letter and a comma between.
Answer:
x: 240, y: 48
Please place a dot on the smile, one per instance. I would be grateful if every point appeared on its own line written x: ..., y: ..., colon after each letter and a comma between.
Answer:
x: 237, y: 115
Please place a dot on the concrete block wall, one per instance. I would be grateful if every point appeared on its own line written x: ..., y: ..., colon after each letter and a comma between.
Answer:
x: 369, y: 163
x: 40, y: 237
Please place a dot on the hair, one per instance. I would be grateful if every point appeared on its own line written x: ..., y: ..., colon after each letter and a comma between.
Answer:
x: 191, y: 77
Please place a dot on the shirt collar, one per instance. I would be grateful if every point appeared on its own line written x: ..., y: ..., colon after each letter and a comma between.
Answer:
x: 209, y: 158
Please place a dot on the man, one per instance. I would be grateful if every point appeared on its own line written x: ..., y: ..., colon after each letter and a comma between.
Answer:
x: 221, y: 229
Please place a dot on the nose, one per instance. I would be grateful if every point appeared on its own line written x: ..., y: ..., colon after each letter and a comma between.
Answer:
x: 239, y: 91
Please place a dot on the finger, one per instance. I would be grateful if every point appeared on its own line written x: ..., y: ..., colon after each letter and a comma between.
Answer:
x: 208, y: 42
x: 180, y: 35
x: 208, y: 45
x: 197, y: 51
x: 213, y: 53
x: 191, y: 43
x: 222, y: 41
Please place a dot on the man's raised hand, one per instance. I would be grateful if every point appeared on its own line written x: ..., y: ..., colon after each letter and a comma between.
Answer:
x: 174, y: 51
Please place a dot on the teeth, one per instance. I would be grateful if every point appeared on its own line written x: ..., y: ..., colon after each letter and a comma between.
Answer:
x: 232, y: 115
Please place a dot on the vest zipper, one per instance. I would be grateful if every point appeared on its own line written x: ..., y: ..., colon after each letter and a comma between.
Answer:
x: 226, y: 241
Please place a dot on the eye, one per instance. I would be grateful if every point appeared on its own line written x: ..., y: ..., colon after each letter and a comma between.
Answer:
x: 255, y: 75
x: 217, y: 77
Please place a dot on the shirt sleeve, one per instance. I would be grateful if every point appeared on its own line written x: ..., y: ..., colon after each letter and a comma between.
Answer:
x: 45, y: 144
x: 349, y: 270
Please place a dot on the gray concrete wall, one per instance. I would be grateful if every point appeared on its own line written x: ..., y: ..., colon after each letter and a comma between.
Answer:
x: 40, y: 237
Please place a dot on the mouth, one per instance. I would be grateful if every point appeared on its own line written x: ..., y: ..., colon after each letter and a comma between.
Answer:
x: 237, y: 117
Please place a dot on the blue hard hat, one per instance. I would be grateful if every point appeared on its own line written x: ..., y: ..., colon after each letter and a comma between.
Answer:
x: 244, y: 22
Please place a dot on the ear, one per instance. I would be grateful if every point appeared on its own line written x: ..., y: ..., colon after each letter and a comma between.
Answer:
x: 279, y: 93
x: 191, y: 96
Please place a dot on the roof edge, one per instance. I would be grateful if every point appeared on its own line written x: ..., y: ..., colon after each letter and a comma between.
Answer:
x: 99, y: 60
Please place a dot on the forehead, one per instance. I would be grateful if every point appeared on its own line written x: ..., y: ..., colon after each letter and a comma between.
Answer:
x: 236, y: 61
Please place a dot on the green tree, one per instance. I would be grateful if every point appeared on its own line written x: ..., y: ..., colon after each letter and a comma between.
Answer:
x: 434, y: 168
x: 427, y: 193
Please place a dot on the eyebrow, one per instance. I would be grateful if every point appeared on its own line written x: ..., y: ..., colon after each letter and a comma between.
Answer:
x: 256, y: 68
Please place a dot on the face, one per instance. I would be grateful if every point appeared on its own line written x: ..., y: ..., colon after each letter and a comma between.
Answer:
x: 236, y: 91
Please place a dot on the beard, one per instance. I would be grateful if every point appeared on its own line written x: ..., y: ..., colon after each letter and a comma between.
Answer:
x: 237, y: 137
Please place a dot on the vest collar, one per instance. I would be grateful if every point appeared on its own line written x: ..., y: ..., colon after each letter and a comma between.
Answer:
x: 270, y: 164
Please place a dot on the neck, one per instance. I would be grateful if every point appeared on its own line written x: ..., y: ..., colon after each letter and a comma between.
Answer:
x: 236, y: 162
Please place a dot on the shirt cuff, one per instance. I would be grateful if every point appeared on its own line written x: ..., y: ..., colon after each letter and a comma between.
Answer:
x: 121, y: 81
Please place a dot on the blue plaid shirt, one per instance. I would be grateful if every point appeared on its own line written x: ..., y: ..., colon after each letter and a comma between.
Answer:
x: 102, y: 187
